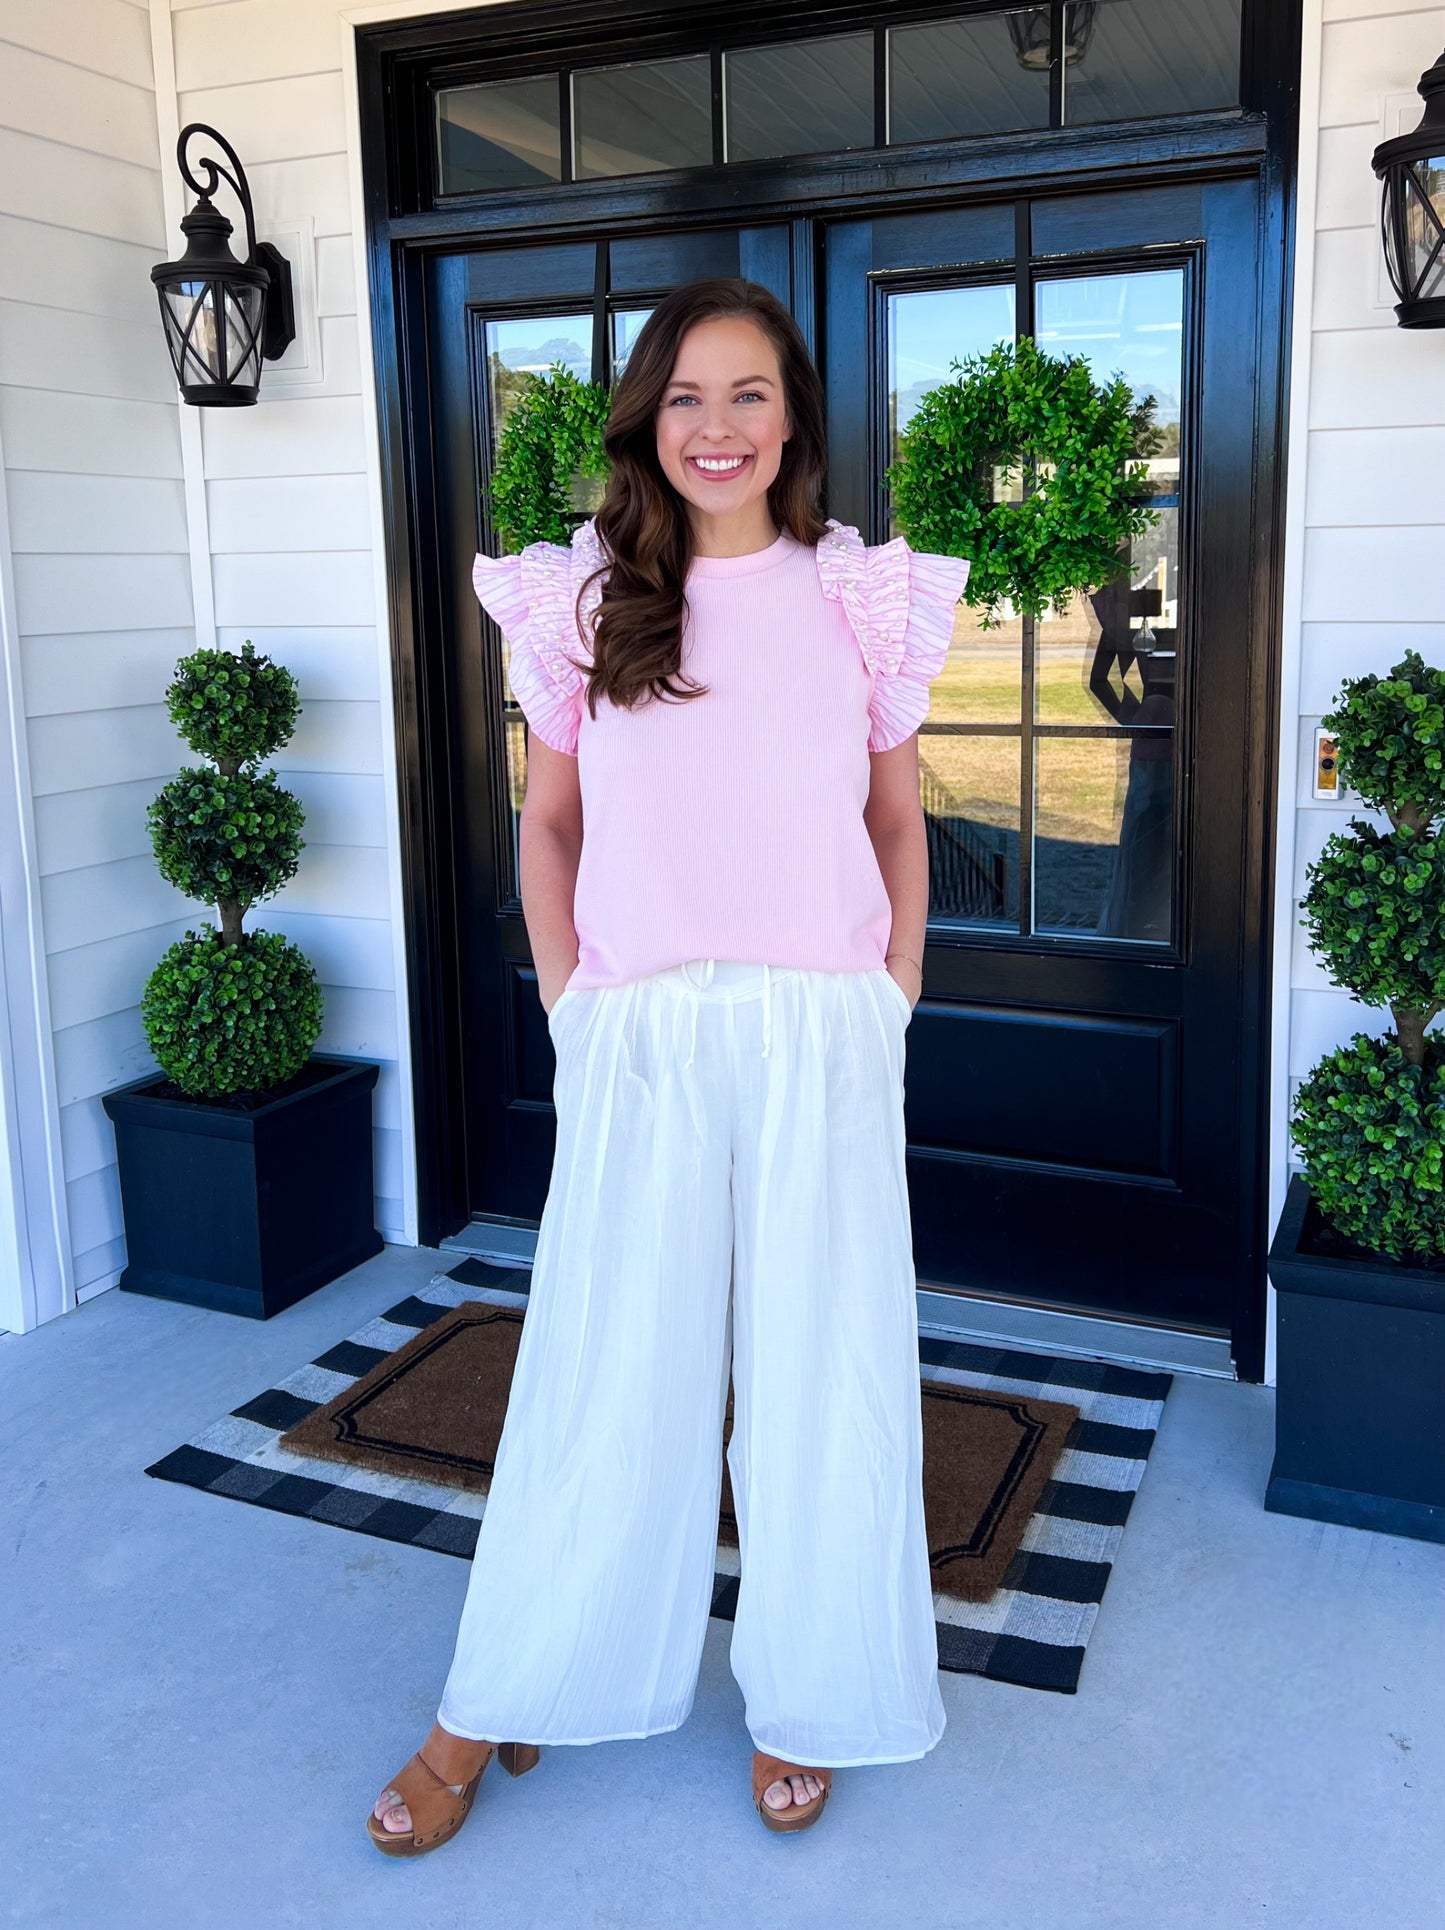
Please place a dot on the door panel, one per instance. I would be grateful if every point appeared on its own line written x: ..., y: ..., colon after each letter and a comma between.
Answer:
x: 1072, y: 1091
x: 491, y: 315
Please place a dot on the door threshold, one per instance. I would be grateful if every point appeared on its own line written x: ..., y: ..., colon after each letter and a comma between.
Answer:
x: 946, y: 1314
x: 509, y: 1246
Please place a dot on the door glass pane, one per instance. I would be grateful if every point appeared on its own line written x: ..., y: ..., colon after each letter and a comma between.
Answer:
x: 969, y: 76
x: 927, y: 328
x: 626, y: 327
x: 501, y: 134
x: 1104, y: 835
x: 642, y: 115
x: 1133, y: 325
x: 1133, y: 58
x: 970, y: 792
x: 518, y: 350
x: 805, y: 97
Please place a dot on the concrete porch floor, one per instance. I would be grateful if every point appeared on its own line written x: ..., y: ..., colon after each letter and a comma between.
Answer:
x: 201, y: 1699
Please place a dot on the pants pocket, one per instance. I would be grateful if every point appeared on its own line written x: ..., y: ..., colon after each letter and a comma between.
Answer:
x: 897, y: 992
x: 558, y: 1004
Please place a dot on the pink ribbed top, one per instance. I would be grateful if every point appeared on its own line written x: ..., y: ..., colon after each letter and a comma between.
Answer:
x: 731, y: 825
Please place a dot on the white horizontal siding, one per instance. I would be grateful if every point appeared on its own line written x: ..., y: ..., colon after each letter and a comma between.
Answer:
x: 97, y: 529
x: 255, y: 40
x: 57, y: 99
x: 87, y: 435
x: 110, y: 38
x: 1374, y: 521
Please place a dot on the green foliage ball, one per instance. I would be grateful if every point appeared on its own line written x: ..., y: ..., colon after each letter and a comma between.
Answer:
x: 1371, y: 1129
x: 1022, y: 411
x: 551, y: 440
x: 1390, y: 738
x: 220, y: 837
x: 233, y: 706
x: 224, y: 1018
x: 1375, y: 913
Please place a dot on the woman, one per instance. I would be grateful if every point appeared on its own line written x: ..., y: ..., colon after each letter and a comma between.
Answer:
x: 728, y: 689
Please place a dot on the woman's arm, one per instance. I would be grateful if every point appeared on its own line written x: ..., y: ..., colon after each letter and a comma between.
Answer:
x: 894, y: 817
x: 550, y: 840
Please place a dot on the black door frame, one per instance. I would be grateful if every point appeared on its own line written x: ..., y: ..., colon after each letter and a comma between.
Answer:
x: 397, y: 66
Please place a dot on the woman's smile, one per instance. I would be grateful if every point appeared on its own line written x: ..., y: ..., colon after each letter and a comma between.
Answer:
x: 718, y: 468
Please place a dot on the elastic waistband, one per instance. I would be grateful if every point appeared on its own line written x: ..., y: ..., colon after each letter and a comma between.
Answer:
x: 722, y: 978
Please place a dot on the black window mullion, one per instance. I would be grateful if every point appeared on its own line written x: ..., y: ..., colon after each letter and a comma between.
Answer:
x: 1056, y: 64
x: 1024, y: 325
x: 716, y: 71
x: 564, y: 123
x: 880, y: 87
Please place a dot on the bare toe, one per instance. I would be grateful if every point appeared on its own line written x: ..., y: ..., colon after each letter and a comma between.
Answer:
x: 778, y: 1795
x: 391, y: 1812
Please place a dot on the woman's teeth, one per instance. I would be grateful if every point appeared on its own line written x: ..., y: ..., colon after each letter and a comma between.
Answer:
x: 718, y: 465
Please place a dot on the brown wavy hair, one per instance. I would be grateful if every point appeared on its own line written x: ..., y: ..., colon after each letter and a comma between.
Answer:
x: 636, y: 639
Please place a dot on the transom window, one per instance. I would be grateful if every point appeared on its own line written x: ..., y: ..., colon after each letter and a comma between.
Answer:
x: 1071, y: 63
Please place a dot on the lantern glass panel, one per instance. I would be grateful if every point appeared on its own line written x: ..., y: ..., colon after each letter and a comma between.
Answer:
x: 194, y: 335
x: 244, y: 308
x: 1424, y: 266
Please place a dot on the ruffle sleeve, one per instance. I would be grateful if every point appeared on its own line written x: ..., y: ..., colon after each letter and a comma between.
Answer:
x: 532, y: 596
x: 900, y: 606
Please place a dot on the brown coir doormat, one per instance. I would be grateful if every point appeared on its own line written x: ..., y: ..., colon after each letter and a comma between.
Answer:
x: 434, y: 1410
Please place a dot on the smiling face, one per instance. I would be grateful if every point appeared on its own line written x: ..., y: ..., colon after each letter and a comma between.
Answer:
x: 721, y: 426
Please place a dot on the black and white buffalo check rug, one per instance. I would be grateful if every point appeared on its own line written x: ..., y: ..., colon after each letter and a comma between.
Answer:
x: 1033, y: 1630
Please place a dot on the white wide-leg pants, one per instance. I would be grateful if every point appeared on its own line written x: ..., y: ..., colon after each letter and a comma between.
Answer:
x: 728, y: 1186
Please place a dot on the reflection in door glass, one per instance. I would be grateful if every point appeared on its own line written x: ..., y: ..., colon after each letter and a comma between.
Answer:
x: 1103, y: 832
x: 517, y: 352
x: 969, y: 786
x: 969, y: 780
x: 1104, y: 836
x: 640, y: 116
x: 498, y: 134
x: 801, y: 97
x: 626, y: 327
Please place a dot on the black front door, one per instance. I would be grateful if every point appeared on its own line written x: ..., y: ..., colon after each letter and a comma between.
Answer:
x: 492, y: 314
x: 1081, y: 1066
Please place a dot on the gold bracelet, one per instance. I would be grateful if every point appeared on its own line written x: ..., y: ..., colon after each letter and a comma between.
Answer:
x: 912, y: 961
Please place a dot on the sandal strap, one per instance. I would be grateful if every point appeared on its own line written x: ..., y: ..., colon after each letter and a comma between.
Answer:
x: 432, y: 1804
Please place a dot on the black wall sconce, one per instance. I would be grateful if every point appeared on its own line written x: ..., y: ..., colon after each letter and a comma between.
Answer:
x: 222, y: 316
x: 1412, y: 167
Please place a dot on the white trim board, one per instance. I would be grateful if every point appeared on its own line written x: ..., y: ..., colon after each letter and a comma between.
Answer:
x: 37, y: 1279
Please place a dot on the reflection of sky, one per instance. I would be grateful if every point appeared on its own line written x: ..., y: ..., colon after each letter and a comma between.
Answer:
x: 539, y: 341
x: 928, y: 329
x: 626, y: 327
x: 1121, y: 324
x: 1130, y: 325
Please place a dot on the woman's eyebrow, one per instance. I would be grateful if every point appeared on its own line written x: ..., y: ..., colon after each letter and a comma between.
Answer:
x: 737, y: 384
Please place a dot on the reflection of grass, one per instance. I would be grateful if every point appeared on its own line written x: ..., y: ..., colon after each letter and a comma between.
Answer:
x: 1081, y: 783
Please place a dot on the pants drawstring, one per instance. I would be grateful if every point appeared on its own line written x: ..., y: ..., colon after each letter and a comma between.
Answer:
x: 696, y: 1004
x: 696, y: 1007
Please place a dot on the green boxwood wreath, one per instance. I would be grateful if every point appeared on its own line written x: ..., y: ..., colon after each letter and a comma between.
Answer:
x: 1080, y: 445
x: 550, y: 443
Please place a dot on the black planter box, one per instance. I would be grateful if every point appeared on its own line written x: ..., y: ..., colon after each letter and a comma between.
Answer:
x: 1360, y: 1402
x: 246, y: 1209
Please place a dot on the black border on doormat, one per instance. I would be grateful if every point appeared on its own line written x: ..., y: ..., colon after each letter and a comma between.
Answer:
x: 1032, y: 1631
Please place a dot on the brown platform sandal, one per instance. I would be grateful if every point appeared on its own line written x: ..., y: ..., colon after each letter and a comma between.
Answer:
x: 768, y: 1770
x: 437, y: 1810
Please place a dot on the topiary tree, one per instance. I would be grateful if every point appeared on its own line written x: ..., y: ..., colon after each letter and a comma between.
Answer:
x: 225, y: 1010
x: 1370, y: 1119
